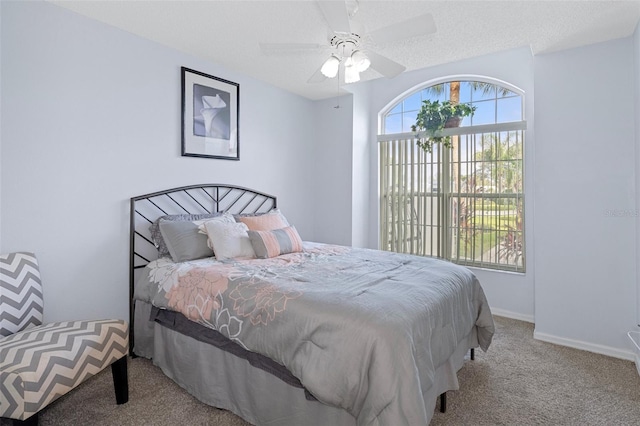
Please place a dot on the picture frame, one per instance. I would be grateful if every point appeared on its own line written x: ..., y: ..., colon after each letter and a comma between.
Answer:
x: 210, y: 116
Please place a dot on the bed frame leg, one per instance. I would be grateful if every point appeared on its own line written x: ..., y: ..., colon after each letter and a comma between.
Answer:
x: 443, y: 396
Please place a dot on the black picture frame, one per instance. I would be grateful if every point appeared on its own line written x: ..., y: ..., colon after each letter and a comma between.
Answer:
x: 210, y: 116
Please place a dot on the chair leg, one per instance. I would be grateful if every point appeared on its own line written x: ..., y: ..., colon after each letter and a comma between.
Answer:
x: 473, y: 354
x: 120, y: 380
x: 443, y: 402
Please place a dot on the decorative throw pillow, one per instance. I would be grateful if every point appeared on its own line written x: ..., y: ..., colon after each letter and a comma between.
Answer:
x: 156, y: 235
x: 223, y: 218
x: 229, y: 240
x: 264, y: 222
x: 268, y: 244
x: 184, y: 240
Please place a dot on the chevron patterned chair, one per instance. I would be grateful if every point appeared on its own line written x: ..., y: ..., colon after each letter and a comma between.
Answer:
x: 39, y: 363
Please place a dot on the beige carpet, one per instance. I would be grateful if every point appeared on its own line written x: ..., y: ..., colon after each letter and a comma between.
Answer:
x: 520, y: 381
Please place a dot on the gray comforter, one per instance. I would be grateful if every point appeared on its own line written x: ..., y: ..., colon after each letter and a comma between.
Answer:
x: 362, y: 329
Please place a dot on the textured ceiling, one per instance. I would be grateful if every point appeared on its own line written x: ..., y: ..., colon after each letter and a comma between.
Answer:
x: 229, y: 32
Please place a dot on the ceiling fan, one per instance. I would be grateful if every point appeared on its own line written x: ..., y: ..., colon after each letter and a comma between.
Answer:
x: 350, y: 43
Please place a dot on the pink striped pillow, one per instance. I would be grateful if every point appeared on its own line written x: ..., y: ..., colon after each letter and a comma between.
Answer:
x: 273, y: 243
x: 264, y: 222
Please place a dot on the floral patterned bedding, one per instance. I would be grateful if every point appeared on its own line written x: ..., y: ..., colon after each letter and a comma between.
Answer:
x: 362, y: 329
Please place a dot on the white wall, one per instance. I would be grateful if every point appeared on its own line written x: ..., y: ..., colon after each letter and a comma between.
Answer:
x: 343, y: 178
x: 508, y: 293
x: 332, y: 169
x: 585, y: 289
x: 91, y: 117
x: 363, y: 178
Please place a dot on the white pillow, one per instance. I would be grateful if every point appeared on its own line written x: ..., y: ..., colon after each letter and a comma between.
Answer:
x: 229, y: 240
x: 223, y: 218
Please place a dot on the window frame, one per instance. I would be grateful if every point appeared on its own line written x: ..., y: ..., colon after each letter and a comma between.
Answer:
x: 469, y: 131
x: 434, y: 82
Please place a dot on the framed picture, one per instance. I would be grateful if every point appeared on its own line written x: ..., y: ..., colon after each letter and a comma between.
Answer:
x: 210, y: 110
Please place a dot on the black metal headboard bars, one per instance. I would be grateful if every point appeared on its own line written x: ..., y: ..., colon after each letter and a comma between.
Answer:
x: 194, y: 199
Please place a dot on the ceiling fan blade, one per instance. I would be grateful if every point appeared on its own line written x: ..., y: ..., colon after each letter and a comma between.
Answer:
x: 420, y: 25
x: 288, y: 47
x: 335, y: 12
x: 384, y: 65
x: 317, y: 76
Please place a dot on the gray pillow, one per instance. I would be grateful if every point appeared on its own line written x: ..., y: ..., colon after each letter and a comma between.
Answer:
x: 184, y: 241
x: 156, y: 236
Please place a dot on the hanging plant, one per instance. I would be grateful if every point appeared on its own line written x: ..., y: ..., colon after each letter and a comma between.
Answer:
x: 434, y: 116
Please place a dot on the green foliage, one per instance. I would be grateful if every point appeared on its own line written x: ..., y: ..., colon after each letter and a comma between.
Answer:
x: 434, y: 116
x: 500, y: 162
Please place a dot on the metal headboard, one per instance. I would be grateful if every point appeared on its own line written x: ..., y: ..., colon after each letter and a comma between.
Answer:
x: 193, y: 199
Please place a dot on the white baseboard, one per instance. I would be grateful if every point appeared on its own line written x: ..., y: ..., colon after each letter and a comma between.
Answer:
x: 576, y: 344
x: 585, y: 346
x: 512, y: 315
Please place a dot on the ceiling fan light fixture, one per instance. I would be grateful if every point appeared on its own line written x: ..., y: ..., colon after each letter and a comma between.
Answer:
x: 349, y: 62
x: 360, y: 60
x: 330, y: 67
x: 351, y: 74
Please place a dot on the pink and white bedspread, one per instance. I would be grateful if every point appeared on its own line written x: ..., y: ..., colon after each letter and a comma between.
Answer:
x: 364, y: 330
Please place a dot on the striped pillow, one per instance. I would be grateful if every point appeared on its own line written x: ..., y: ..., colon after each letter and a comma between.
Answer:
x: 264, y: 222
x: 268, y: 244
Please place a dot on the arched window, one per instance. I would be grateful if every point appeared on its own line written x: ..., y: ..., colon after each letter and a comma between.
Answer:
x: 465, y: 202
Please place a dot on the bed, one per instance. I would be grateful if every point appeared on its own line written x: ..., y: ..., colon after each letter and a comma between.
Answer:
x: 283, y: 331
